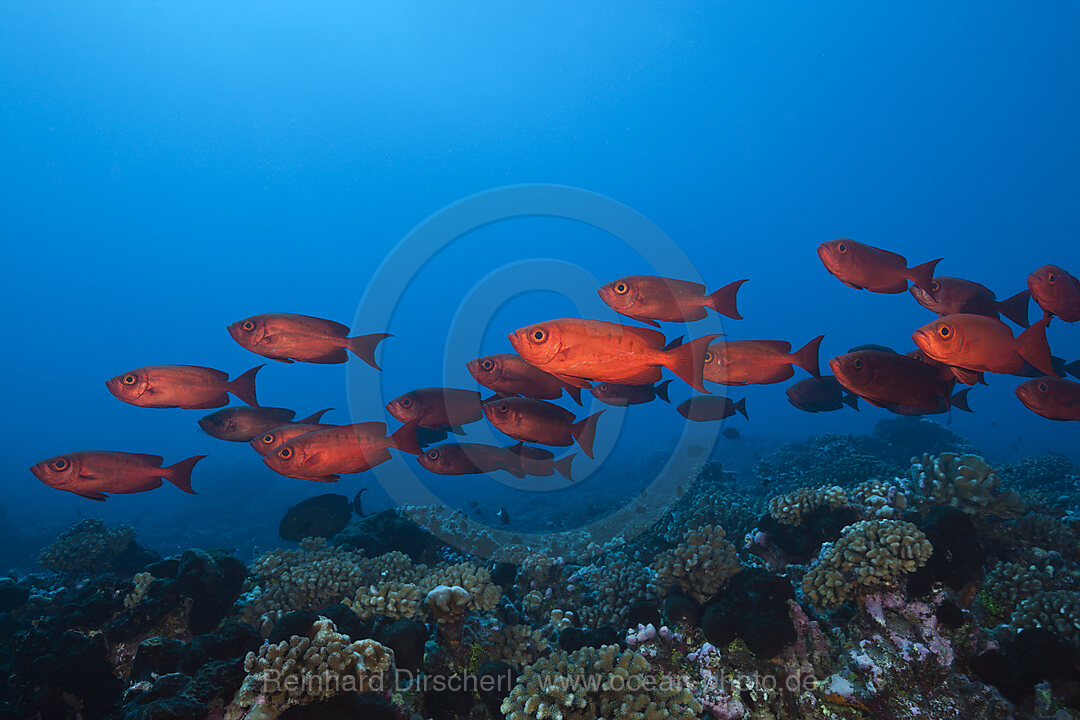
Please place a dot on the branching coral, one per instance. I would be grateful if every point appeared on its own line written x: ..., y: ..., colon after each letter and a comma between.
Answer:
x: 965, y: 482
x: 607, y: 590
x: 142, y: 584
x: 1008, y: 583
x: 402, y: 596
x: 597, y: 684
x: 869, y: 554
x: 1057, y: 610
x: 700, y: 565
x: 789, y: 509
x: 87, y: 546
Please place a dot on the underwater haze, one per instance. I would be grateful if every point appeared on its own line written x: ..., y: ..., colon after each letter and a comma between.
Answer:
x: 171, y: 168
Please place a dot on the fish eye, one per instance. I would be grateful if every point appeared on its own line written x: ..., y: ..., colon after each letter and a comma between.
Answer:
x: 1043, y: 387
x: 934, y: 286
x: 841, y: 248
x: 128, y: 379
x: 285, y: 453
x: 406, y: 402
x: 503, y: 407
x: 621, y: 288
x: 248, y: 325
x: 433, y: 454
x: 61, y: 465
x: 945, y: 331
x: 857, y: 363
x: 708, y: 358
x: 538, y: 335
x: 487, y: 365
x: 1051, y: 278
x: 268, y: 439
x: 603, y: 387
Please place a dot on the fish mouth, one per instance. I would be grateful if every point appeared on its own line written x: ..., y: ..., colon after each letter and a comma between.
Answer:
x: 921, y: 338
x: 515, y: 341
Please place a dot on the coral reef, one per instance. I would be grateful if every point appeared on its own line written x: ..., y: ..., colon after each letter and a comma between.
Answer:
x: 790, y: 509
x: 700, y: 564
x: 88, y: 545
x: 965, y: 482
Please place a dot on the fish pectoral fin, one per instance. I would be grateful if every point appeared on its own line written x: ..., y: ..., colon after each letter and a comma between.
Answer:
x: 334, y: 357
x: 91, y: 494
x: 853, y: 285
x: 574, y: 381
x: 324, y: 478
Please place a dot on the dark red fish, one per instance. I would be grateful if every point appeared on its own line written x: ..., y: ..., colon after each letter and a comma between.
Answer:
x: 270, y: 440
x: 580, y: 352
x: 623, y: 395
x: 325, y: 455
x: 952, y: 296
x: 707, y: 408
x: 897, y: 382
x: 865, y: 267
x: 541, y: 462
x: 820, y: 394
x: 977, y: 342
x: 1056, y: 291
x: 510, y: 375
x: 648, y: 298
x: 242, y: 424
x: 950, y: 372
x: 759, y: 362
x: 437, y: 408
x: 470, y: 459
x: 182, y: 386
x: 539, y: 421
x: 94, y: 473
x: 287, y: 337
x: 1051, y: 397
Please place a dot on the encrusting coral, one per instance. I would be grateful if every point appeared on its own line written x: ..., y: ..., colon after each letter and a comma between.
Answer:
x: 965, y: 482
x: 700, y: 564
x: 789, y: 509
x: 89, y: 544
x: 869, y: 554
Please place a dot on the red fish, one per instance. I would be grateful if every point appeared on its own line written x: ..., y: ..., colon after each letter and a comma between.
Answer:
x: 623, y: 395
x: 437, y: 408
x: 1051, y: 397
x: 94, y: 473
x: 647, y: 298
x: 509, y: 375
x: 953, y: 296
x: 1056, y: 291
x: 270, y: 440
x: 977, y: 342
x: 707, y: 408
x: 541, y: 422
x: 470, y: 459
x: 759, y: 362
x: 580, y: 352
x: 541, y: 462
x: 865, y: 267
x: 897, y: 382
x: 287, y: 337
x: 950, y: 372
x: 182, y: 386
x: 820, y: 394
x: 325, y: 455
x: 242, y: 424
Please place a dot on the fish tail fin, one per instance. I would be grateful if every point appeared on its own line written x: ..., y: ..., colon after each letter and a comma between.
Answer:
x: 1033, y: 347
x: 405, y: 439
x: 314, y: 418
x: 1016, y: 308
x: 960, y: 401
x: 179, y: 474
x: 674, y: 343
x: 243, y: 387
x: 573, y: 392
x: 921, y: 275
x: 688, y: 361
x: 724, y: 300
x: 740, y: 406
x: 515, y: 463
x: 363, y: 347
x: 1073, y: 368
x: 806, y: 357
x: 662, y: 392
x: 563, y: 466
x: 851, y: 400
x: 584, y: 431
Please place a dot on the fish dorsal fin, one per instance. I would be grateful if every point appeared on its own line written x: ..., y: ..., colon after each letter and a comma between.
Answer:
x: 373, y: 427
x: 655, y: 338
x: 894, y: 257
x: 780, y: 346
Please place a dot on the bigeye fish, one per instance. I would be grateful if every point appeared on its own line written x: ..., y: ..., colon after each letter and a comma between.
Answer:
x: 287, y: 337
x: 1051, y: 397
x: 648, y: 298
x: 759, y: 362
x: 952, y: 296
x: 242, y: 424
x: 897, y: 383
x: 1056, y: 291
x: 270, y: 440
x: 820, y: 394
x: 95, y: 473
x: 581, y: 352
x: 325, y: 455
x: 439, y: 408
x: 507, y: 375
x: 977, y: 342
x: 623, y: 395
x: 469, y: 459
x: 182, y: 386
x: 865, y: 267
x: 709, y: 408
x: 541, y: 422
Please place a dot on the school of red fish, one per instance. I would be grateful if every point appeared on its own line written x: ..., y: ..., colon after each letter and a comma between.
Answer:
x: 619, y: 364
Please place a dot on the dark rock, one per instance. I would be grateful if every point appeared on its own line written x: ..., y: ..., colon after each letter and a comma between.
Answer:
x: 1032, y: 657
x: 450, y: 702
x: 957, y: 557
x: 407, y: 639
x: 297, y: 622
x: 571, y: 638
x: 950, y: 614
x: 53, y: 672
x: 217, y: 680
x: 232, y: 640
x: 157, y: 656
x: 495, y: 680
x: 181, y: 707
x: 389, y: 530
x: 352, y: 706
x: 213, y: 582
x: 166, y: 568
x: 133, y: 559
x: 681, y: 610
x: 753, y: 607
x: 643, y: 612
x: 12, y: 595
x: 320, y: 516
x: 801, y: 543
x: 504, y: 574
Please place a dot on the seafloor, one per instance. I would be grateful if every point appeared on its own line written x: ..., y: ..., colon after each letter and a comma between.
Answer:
x: 893, y: 575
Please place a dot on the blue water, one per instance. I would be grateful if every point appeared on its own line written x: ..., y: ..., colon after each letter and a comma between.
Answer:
x: 170, y: 168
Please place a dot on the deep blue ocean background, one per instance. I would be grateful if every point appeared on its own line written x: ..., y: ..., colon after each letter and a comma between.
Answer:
x: 168, y: 168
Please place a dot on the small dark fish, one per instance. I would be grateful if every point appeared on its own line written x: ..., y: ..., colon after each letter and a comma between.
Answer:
x: 94, y: 473
x: 759, y: 362
x: 731, y: 433
x: 865, y: 267
x: 243, y: 424
x: 325, y: 455
x: 439, y: 408
x: 821, y: 394
x: 192, y: 387
x: 508, y: 375
x: 1056, y: 291
x: 898, y: 383
x: 707, y: 408
x: 623, y: 395
x: 1051, y: 397
x: 952, y: 296
x: 539, y: 421
x: 541, y: 462
x: 504, y: 517
x: 648, y: 298
x: 358, y: 507
x: 287, y: 337
x: 470, y: 459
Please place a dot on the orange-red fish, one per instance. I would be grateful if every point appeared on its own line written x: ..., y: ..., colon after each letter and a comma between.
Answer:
x: 509, y: 375
x: 1056, y: 291
x: 270, y: 440
x: 820, y: 394
x: 952, y: 296
x: 325, y: 455
x: 950, y: 372
x: 242, y: 424
x: 865, y: 267
x: 580, y: 352
x: 977, y: 342
x: 470, y: 459
x: 182, y: 386
x: 623, y: 395
x: 541, y: 422
x: 707, y: 408
x: 648, y: 298
x: 1051, y: 397
x: 287, y: 337
x: 897, y: 382
x: 759, y: 362
x: 94, y: 473
x: 437, y: 408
